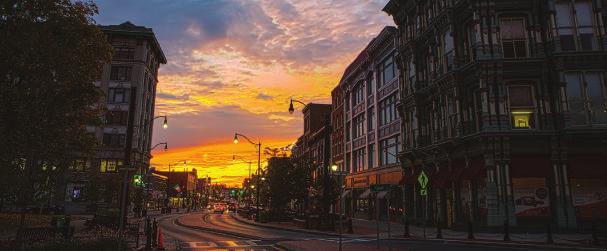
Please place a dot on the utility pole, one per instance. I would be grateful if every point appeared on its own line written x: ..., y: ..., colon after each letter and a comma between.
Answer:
x: 127, y: 162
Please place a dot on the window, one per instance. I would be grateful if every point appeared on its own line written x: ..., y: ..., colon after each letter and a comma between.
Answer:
x: 359, y: 160
x: 358, y: 94
x: 118, y: 95
x: 386, y: 71
x: 388, y: 148
x: 371, y: 158
x: 116, y: 118
x: 370, y: 84
x: 521, y: 106
x: 575, y: 25
x: 514, y: 39
x: 110, y: 165
x: 387, y: 110
x: 586, y: 97
x: 371, y: 119
x: 113, y: 140
x: 449, y: 50
x: 124, y: 53
x: 79, y: 165
x: 120, y: 73
x: 359, y: 126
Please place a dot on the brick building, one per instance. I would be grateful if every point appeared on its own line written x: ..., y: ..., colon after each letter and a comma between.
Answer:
x: 372, y: 128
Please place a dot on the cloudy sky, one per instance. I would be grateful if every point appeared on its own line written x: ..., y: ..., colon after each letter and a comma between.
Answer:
x: 234, y: 64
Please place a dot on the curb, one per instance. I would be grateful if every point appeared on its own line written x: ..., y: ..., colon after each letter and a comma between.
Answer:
x: 507, y: 244
x: 278, y: 245
x: 239, y: 219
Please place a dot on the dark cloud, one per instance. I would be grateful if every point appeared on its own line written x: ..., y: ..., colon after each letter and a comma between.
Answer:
x: 263, y: 96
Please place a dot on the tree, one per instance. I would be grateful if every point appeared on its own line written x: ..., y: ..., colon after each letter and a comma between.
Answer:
x: 51, y: 53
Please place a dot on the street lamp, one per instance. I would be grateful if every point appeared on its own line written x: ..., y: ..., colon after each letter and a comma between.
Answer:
x: 335, y: 170
x: 166, y: 146
x: 291, y: 108
x: 258, y: 146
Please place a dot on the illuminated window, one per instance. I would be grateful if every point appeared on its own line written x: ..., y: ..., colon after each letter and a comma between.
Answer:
x: 521, y: 107
x: 79, y: 165
x: 110, y: 165
x: 521, y: 118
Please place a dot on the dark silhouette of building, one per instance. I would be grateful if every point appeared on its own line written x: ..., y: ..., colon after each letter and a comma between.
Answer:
x: 503, y: 104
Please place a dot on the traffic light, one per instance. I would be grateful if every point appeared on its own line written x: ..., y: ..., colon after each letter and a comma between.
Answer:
x: 138, y: 180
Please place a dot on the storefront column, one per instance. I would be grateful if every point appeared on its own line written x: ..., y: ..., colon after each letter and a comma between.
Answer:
x: 565, y: 213
x: 509, y: 198
x: 495, y: 213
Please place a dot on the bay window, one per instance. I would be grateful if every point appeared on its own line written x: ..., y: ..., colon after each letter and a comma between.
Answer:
x: 359, y: 126
x: 387, y: 110
x: 574, y: 22
x: 514, y: 38
x: 359, y: 160
x: 586, y: 97
x: 521, y: 107
x: 388, y: 148
x: 387, y: 71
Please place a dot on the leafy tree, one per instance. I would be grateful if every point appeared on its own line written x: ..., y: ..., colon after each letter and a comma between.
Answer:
x: 50, y: 54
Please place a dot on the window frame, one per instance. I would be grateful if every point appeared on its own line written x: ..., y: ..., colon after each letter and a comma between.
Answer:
x: 514, y: 41
x: 521, y: 110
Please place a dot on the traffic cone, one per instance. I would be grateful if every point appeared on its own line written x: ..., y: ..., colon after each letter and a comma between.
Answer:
x: 160, y: 245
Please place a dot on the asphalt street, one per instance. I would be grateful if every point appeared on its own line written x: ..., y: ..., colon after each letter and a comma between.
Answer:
x: 207, y: 231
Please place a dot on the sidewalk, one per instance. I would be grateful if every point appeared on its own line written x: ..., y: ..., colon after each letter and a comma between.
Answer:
x: 368, y: 229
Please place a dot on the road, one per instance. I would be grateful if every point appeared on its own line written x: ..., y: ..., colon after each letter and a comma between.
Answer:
x: 203, y: 231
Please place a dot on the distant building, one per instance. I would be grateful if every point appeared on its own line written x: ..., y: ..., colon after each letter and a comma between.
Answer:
x: 503, y: 104
x: 181, y: 188
x: 337, y: 125
x: 137, y: 57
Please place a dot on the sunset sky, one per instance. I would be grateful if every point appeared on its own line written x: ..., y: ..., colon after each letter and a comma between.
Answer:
x: 234, y: 64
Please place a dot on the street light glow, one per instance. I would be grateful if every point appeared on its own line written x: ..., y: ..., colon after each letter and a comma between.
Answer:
x: 235, y: 139
x: 166, y: 147
x: 334, y: 167
x: 165, y: 124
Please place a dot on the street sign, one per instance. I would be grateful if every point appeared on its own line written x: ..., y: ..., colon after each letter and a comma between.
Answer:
x: 423, y: 192
x: 138, y: 180
x: 423, y: 180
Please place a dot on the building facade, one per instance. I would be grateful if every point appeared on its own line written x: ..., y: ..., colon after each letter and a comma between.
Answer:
x: 372, y: 129
x: 503, y: 104
x: 134, y: 68
x: 337, y: 125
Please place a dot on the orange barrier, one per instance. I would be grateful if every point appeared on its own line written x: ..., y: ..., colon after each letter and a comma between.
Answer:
x: 160, y: 245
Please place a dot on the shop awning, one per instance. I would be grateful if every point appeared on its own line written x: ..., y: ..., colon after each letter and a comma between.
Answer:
x: 365, y: 195
x: 382, y: 194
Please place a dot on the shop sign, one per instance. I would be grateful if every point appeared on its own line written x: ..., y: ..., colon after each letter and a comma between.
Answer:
x: 531, y: 197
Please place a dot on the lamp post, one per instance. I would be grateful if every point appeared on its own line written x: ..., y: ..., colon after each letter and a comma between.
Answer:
x: 258, y: 145
x: 335, y: 170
